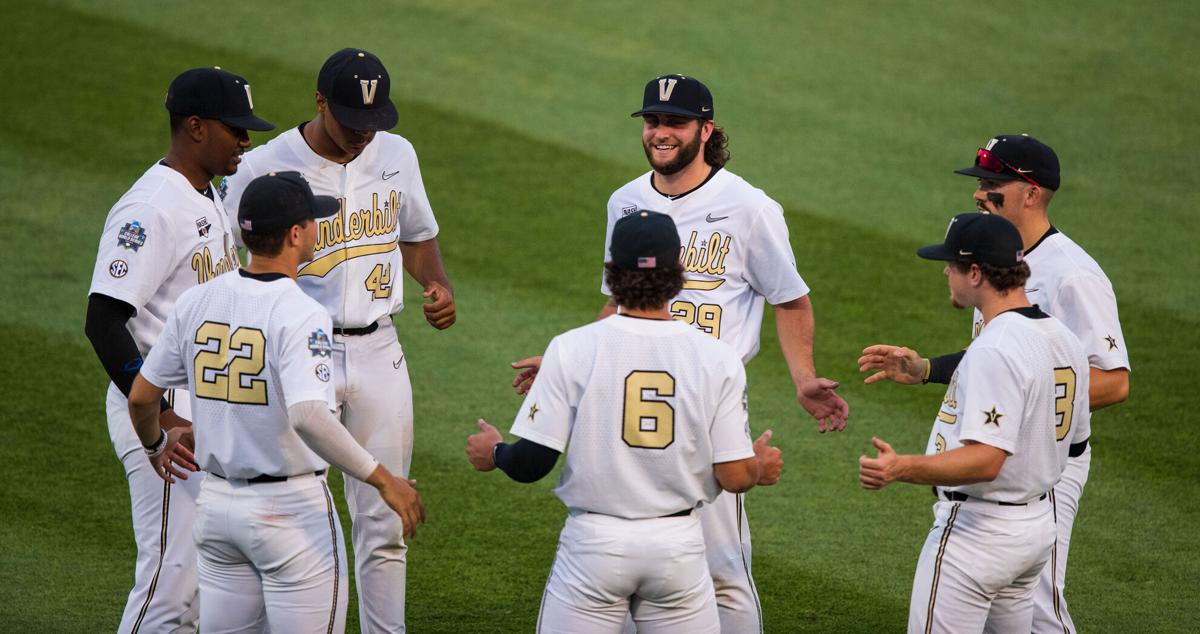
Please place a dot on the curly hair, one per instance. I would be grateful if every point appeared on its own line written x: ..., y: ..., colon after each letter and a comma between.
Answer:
x: 1001, y: 278
x: 716, y: 149
x: 644, y: 289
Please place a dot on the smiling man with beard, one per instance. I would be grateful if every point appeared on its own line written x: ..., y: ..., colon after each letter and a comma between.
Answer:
x: 736, y: 257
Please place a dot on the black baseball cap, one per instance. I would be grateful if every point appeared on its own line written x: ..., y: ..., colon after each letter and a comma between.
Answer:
x: 1009, y: 157
x: 976, y: 237
x: 644, y: 240
x: 679, y: 95
x: 278, y: 200
x: 356, y: 85
x: 212, y: 93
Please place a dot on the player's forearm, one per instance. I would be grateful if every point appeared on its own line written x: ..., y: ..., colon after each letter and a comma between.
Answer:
x: 525, y: 461
x: 941, y: 369
x: 1107, y: 387
x: 608, y: 310
x: 423, y: 261
x: 328, y: 438
x: 144, y: 398
x: 969, y: 464
x: 105, y: 327
x: 738, y: 476
x: 794, y: 323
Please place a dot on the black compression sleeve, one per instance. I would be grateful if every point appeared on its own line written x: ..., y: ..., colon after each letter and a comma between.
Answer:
x: 105, y: 328
x: 525, y: 461
x: 941, y: 369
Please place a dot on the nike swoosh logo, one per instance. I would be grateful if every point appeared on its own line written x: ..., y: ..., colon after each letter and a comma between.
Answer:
x: 387, y: 175
x: 396, y: 364
x: 703, y: 109
x: 1032, y: 290
x: 710, y: 218
x: 961, y: 252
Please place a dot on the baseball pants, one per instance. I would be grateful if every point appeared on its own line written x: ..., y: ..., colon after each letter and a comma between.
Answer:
x: 1049, y: 602
x: 727, y: 541
x: 164, y: 594
x: 608, y: 567
x: 271, y: 557
x: 375, y: 403
x: 979, y: 567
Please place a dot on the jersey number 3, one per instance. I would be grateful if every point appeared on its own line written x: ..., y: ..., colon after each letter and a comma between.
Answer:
x: 649, y: 422
x: 1064, y: 401
x: 223, y: 376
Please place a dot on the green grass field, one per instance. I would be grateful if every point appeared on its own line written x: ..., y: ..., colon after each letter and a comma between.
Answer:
x: 853, y: 115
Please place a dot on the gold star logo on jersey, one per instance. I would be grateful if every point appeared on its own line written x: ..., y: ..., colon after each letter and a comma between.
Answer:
x: 533, y: 410
x: 993, y: 417
x: 1112, y: 343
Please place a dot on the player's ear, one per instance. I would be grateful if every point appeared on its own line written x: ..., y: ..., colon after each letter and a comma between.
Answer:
x: 195, y: 128
x: 321, y: 103
x: 706, y: 130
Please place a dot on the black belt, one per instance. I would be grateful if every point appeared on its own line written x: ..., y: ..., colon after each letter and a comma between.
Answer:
x: 1078, y: 448
x: 356, y: 332
x: 956, y: 496
x: 260, y: 479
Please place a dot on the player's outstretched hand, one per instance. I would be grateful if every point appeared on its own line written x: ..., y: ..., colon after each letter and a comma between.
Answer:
x: 401, y: 495
x: 439, y: 312
x: 175, y: 459
x: 880, y: 471
x: 770, y: 460
x: 480, y: 446
x: 894, y: 363
x: 821, y: 401
x: 528, y: 372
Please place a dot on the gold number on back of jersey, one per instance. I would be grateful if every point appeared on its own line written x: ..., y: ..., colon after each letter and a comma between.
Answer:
x: 648, y: 422
x: 379, y: 282
x: 227, y: 372
x: 1064, y: 401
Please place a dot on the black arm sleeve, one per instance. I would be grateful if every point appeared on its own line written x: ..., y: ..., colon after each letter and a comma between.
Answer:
x: 525, y: 461
x: 941, y: 369
x: 105, y: 328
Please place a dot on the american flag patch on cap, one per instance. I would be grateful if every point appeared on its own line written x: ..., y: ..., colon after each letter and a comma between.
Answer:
x: 647, y: 263
x: 246, y: 224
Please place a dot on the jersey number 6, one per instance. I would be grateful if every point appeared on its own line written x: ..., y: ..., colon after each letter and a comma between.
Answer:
x: 222, y: 376
x: 649, y: 423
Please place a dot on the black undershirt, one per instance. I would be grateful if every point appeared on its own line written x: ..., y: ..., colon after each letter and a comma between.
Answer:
x: 525, y: 461
x: 678, y: 196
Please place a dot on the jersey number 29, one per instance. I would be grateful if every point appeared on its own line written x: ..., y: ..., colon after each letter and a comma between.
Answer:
x: 223, y: 376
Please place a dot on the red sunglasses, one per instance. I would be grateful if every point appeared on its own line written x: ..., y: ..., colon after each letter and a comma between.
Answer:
x: 992, y: 163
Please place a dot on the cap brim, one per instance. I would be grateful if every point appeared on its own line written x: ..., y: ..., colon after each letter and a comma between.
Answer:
x: 669, y: 109
x: 979, y: 172
x: 249, y: 122
x: 370, y: 119
x: 324, y: 206
x: 937, y: 252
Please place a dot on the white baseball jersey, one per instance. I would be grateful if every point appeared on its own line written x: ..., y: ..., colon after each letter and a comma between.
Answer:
x: 1021, y: 387
x: 1067, y: 283
x: 247, y: 347
x: 161, y: 238
x: 647, y: 407
x: 734, y: 250
x: 357, y: 273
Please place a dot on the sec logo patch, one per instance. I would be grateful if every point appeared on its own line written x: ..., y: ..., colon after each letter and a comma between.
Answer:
x: 118, y: 268
x: 323, y: 372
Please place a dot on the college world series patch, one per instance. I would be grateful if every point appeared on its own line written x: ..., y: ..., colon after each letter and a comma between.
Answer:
x: 132, y: 236
x: 319, y: 344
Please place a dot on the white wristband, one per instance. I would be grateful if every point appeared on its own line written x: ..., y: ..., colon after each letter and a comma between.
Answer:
x: 158, y: 447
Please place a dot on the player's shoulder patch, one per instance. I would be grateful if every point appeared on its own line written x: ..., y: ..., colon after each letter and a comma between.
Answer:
x: 132, y: 236
x: 223, y: 187
x: 319, y: 344
x: 118, y: 268
x: 625, y: 211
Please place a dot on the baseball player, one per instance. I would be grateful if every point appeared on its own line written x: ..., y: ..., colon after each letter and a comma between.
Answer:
x: 168, y: 233
x: 254, y: 353
x: 1018, y: 175
x: 384, y: 222
x: 655, y: 415
x: 998, y: 445
x: 736, y: 256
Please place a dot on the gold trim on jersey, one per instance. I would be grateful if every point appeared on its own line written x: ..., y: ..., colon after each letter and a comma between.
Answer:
x: 708, y: 259
x: 345, y: 227
x: 206, y: 269
x: 324, y: 264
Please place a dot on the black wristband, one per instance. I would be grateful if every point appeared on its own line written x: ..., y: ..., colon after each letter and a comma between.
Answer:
x: 941, y: 369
